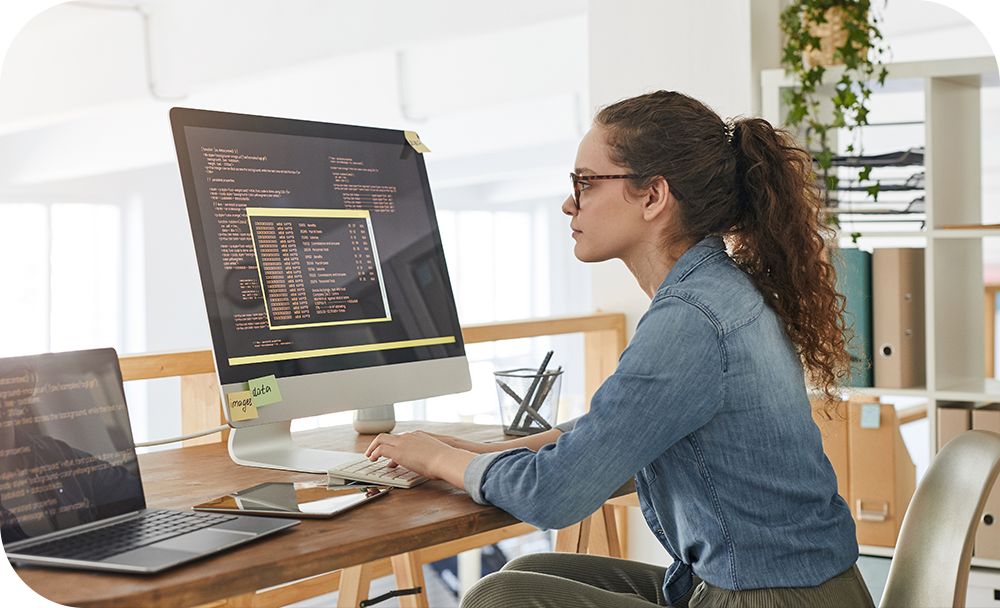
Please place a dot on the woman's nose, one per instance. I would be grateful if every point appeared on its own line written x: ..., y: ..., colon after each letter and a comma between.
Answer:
x: 569, y: 206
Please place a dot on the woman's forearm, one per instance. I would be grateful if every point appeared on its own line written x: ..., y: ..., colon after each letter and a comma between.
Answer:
x: 452, y: 466
x: 532, y: 442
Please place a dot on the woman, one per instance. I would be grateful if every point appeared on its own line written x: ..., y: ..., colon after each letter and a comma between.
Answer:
x: 708, y: 408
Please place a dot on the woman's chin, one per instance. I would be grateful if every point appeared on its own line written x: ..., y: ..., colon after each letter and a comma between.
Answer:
x: 583, y: 255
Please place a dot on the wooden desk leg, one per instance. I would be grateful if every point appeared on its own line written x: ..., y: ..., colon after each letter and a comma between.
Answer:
x: 409, y: 574
x: 596, y: 535
x: 574, y: 539
x: 355, y: 583
x: 604, y: 533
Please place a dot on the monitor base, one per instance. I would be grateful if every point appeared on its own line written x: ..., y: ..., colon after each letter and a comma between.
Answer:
x: 270, y: 446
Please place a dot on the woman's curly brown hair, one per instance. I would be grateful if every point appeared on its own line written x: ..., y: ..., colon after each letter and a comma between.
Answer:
x: 754, y: 186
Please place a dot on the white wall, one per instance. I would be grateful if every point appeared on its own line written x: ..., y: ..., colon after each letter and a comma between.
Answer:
x: 497, y: 97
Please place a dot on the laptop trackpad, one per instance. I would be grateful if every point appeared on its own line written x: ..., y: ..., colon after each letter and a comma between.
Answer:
x: 203, y: 541
x: 150, y: 558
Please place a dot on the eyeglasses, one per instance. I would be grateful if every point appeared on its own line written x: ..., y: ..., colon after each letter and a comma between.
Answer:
x: 579, y: 180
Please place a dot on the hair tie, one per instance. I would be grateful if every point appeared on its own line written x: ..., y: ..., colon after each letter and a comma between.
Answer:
x: 730, y: 128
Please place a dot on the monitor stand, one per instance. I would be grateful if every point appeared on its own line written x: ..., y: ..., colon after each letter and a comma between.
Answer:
x: 375, y: 420
x: 270, y: 446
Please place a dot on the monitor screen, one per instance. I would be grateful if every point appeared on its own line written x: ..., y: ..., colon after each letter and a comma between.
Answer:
x: 66, y: 451
x: 317, y: 244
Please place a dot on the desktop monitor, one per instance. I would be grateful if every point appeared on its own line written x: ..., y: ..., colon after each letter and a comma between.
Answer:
x: 321, y: 264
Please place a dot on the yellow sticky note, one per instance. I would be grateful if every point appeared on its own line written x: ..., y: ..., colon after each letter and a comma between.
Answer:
x: 264, y: 391
x: 414, y: 140
x: 241, y: 406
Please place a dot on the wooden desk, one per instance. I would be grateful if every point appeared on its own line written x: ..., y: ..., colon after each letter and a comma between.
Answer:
x: 405, y: 520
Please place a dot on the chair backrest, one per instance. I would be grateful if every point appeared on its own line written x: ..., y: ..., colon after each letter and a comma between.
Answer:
x: 930, y: 566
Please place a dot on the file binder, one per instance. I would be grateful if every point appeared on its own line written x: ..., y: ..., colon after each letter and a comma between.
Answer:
x: 898, y: 316
x: 854, y: 281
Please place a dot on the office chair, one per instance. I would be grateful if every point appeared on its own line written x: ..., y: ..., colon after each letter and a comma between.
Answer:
x: 930, y: 567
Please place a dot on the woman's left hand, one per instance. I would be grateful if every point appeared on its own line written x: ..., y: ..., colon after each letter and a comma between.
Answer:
x: 421, y: 453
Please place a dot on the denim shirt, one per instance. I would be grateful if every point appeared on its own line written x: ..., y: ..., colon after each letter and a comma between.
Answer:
x: 708, y: 410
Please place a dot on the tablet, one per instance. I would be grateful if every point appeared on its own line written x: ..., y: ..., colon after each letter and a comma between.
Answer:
x: 312, y: 500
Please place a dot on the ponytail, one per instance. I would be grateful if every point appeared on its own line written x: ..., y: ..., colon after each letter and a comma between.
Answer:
x: 781, y: 242
x: 755, y: 186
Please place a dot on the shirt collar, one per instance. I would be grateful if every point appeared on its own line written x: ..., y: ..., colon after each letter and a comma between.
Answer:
x: 692, y: 258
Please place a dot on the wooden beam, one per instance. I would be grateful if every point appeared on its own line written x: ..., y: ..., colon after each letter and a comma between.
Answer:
x: 201, y: 407
x: 166, y: 365
x: 911, y: 414
x: 989, y: 327
x: 530, y: 328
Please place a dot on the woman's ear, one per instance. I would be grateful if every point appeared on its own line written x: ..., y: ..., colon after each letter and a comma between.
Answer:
x: 658, y: 201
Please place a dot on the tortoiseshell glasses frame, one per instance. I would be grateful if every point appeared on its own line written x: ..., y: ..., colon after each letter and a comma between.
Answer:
x: 578, y: 180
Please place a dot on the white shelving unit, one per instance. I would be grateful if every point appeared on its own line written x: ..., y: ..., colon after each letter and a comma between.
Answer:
x: 955, y: 340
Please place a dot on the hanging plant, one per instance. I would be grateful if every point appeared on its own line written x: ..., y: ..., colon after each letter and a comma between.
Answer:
x: 822, y: 35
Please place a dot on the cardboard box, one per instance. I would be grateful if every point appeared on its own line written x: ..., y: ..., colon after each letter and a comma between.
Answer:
x: 832, y: 423
x: 882, y: 475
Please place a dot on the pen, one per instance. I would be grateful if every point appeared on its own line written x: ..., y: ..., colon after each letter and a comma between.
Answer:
x: 533, y: 413
x: 531, y: 390
x: 540, y: 395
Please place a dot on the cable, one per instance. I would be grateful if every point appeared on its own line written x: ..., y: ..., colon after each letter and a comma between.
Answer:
x: 147, y: 444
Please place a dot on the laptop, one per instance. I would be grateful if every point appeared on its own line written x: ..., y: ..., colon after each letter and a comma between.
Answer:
x: 70, y: 491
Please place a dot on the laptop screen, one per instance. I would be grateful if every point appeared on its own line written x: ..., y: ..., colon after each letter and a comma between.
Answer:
x: 66, y: 451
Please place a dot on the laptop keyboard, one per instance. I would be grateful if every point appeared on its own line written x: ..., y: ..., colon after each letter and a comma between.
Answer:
x: 153, y: 526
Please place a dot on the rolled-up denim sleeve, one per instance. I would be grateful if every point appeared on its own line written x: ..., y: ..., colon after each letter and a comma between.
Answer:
x: 668, y: 384
x: 567, y: 426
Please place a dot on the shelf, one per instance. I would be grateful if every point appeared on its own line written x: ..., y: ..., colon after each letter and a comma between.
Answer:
x: 910, y: 74
x: 890, y: 392
x: 982, y: 562
x: 874, y: 551
x: 867, y: 234
x: 982, y: 390
x: 965, y: 233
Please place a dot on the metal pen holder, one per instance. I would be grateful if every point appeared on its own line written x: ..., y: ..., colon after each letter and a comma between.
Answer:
x: 527, y: 399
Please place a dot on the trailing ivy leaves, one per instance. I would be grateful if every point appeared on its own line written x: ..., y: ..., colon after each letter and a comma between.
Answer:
x: 861, y: 54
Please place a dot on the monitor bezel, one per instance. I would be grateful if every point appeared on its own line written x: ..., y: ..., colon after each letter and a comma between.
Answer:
x: 232, y: 376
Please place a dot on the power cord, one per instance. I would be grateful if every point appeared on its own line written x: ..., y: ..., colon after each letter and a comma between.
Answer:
x: 148, y: 444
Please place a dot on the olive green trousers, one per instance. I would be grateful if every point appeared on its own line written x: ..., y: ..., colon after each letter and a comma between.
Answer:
x: 568, y: 580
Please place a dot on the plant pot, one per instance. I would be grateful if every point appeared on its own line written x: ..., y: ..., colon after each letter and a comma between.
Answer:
x: 832, y: 35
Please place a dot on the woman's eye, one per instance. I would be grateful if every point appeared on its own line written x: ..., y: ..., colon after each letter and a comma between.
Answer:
x: 584, y: 184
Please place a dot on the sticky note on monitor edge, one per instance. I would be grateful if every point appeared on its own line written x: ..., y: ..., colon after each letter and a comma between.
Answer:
x: 241, y: 406
x: 414, y: 140
x: 264, y: 391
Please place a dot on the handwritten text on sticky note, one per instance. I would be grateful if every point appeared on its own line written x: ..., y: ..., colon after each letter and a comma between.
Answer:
x: 241, y: 406
x: 264, y: 391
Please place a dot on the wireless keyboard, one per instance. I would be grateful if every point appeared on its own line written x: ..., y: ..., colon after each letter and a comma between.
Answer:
x: 376, y: 472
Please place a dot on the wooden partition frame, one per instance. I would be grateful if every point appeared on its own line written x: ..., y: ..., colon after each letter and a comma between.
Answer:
x: 603, y: 533
x: 201, y: 406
